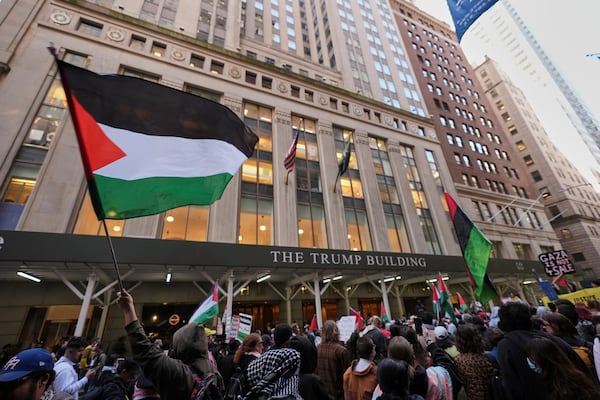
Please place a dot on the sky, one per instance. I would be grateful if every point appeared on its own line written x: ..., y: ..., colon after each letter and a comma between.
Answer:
x: 567, y: 30
x: 554, y: 26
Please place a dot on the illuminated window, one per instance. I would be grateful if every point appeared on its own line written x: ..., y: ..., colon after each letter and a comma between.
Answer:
x: 186, y: 223
x: 87, y: 222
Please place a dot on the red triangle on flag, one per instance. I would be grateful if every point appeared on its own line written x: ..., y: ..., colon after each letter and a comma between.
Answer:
x: 313, y: 324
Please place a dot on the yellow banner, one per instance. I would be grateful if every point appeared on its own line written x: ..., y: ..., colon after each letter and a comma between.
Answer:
x: 580, y: 296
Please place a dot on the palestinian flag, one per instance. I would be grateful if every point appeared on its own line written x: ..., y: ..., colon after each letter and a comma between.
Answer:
x: 358, y: 318
x: 208, y: 309
x: 445, y: 303
x: 147, y: 148
x: 384, y: 315
x: 476, y: 249
x: 462, y: 303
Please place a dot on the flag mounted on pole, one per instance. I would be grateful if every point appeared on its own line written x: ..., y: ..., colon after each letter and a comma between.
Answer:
x: 290, y: 157
x: 561, y: 284
x: 546, y: 287
x: 435, y: 301
x: 208, y: 309
x: 359, y: 321
x: 313, y: 324
x: 445, y: 303
x: 147, y: 148
x: 476, y: 250
x: 465, y: 12
x: 384, y: 315
x: 343, y: 164
x: 462, y: 304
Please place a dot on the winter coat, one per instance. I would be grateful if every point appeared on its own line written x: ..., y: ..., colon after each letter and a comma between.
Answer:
x: 359, y: 385
x: 172, y: 376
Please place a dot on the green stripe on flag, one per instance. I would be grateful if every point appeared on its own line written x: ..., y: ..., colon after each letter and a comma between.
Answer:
x: 477, y: 256
x: 122, y: 199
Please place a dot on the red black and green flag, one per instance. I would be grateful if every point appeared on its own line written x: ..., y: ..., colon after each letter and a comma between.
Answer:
x: 147, y: 148
x: 476, y: 249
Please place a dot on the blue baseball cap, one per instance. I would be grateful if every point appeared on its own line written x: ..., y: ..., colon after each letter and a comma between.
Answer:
x: 26, y: 362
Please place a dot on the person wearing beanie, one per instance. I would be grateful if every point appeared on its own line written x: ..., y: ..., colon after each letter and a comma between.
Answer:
x: 28, y: 376
x: 310, y: 385
x: 281, y: 335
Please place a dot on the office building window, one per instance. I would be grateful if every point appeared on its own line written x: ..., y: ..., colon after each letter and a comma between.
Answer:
x: 420, y: 200
x: 256, y: 208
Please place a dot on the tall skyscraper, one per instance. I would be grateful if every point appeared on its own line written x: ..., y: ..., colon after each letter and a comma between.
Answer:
x: 572, y: 204
x: 507, y: 39
x: 488, y: 176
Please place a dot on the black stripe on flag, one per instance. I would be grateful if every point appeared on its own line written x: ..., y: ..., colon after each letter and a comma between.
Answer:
x: 146, y: 107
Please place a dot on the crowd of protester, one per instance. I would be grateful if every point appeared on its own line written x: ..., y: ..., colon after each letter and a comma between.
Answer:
x: 513, y: 352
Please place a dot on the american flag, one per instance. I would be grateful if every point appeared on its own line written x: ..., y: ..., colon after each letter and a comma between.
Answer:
x: 290, y: 157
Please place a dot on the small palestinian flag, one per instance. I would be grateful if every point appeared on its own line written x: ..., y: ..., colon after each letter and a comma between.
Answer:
x: 147, y: 148
x: 384, y: 315
x: 445, y: 303
x: 435, y: 301
x: 462, y: 303
x: 476, y: 249
x: 358, y: 318
x: 208, y: 309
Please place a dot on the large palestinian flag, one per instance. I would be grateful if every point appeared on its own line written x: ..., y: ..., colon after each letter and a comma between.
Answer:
x: 147, y: 148
x: 476, y: 249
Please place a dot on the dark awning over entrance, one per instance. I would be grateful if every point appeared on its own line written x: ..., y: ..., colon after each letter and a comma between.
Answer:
x: 75, y: 256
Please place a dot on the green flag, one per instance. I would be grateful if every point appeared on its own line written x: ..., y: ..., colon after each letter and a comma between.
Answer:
x: 476, y: 249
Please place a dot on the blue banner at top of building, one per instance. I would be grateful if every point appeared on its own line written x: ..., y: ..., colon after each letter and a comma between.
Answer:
x: 465, y: 12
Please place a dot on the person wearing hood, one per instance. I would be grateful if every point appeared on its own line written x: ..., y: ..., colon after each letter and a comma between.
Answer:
x: 172, y: 375
x: 519, y: 379
x: 310, y: 385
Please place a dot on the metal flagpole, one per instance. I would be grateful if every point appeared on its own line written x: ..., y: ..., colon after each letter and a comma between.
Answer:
x: 114, y: 257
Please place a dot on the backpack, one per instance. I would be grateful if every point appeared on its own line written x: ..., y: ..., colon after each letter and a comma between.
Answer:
x: 586, y: 355
x: 237, y: 385
x: 208, y: 388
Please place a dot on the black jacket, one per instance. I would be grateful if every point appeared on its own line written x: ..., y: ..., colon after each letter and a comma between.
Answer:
x: 519, y: 380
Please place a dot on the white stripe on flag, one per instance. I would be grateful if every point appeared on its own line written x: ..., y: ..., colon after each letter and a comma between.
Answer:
x: 151, y: 156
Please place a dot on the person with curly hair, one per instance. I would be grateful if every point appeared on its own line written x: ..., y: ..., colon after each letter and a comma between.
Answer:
x: 473, y: 365
x: 563, y: 380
